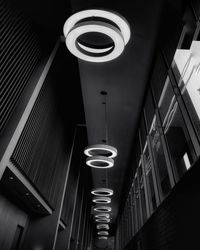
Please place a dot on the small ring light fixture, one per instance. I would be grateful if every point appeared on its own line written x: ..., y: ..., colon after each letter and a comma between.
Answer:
x: 102, y: 192
x: 102, y: 216
x: 102, y: 200
x: 102, y: 209
x: 103, y: 233
x: 112, y: 25
x: 102, y: 237
x: 99, y: 162
x: 104, y: 220
x: 103, y: 226
x: 101, y: 149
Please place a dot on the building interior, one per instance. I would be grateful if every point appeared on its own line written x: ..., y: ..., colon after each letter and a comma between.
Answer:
x: 91, y: 95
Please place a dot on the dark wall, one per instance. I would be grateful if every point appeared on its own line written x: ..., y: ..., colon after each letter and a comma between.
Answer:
x: 42, y: 152
x: 20, y: 56
x: 10, y: 217
x: 175, y: 224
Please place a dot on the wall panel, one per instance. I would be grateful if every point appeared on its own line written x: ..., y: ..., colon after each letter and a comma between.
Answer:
x: 20, y: 54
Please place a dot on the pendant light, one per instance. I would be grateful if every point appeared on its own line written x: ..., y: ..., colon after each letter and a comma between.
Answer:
x: 105, y: 22
x: 102, y: 192
x: 101, y: 200
x: 101, y: 155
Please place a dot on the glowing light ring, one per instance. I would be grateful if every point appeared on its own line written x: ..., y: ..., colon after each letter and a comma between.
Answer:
x: 91, y: 50
x: 114, y: 17
x: 102, y: 209
x: 94, y: 160
x: 103, y: 233
x: 102, y: 216
x: 103, y: 220
x: 102, y: 200
x: 102, y: 192
x: 119, y: 32
x: 101, y: 147
x: 102, y: 238
x: 103, y: 226
x: 99, y: 27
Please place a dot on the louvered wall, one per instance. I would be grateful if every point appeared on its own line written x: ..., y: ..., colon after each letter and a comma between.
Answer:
x: 40, y: 153
x: 19, y: 56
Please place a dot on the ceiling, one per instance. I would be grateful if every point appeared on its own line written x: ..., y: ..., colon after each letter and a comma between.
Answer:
x: 124, y: 79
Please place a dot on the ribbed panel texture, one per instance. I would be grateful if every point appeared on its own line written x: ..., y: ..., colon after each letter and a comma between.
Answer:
x: 19, y: 55
x: 39, y: 152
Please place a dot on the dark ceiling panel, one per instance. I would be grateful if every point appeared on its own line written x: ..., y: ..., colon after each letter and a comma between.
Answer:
x: 125, y: 81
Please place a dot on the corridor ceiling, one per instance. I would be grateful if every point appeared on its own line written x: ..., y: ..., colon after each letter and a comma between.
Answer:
x: 125, y: 79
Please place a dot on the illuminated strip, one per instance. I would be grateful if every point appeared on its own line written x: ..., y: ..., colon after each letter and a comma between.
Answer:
x: 102, y: 200
x: 102, y: 192
x: 99, y: 162
x: 103, y: 233
x: 102, y: 149
x: 102, y: 209
x: 103, y: 226
x: 103, y: 220
x: 102, y: 216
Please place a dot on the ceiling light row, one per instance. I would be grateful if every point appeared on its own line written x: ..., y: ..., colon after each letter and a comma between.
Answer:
x: 102, y: 212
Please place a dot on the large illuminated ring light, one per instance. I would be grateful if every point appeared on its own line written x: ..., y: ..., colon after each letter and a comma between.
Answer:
x: 102, y: 216
x: 101, y: 149
x: 108, y: 23
x: 102, y: 192
x: 102, y: 209
x: 99, y: 162
x: 101, y: 200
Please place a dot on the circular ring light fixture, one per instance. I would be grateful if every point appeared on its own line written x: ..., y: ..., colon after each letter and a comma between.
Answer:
x: 103, y: 226
x: 102, y: 209
x: 102, y: 216
x: 102, y: 237
x: 112, y: 25
x: 101, y: 200
x: 102, y: 192
x: 104, y: 220
x: 99, y: 162
x: 103, y: 233
x: 101, y: 149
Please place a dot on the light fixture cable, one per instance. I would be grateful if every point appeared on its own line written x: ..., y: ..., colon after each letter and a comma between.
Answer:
x: 106, y: 129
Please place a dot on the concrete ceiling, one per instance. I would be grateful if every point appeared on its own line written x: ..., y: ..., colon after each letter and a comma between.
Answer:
x: 125, y: 80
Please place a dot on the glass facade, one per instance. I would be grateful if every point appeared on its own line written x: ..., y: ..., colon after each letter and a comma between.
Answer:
x: 159, y: 158
x: 169, y: 128
x: 149, y: 180
x: 182, y: 153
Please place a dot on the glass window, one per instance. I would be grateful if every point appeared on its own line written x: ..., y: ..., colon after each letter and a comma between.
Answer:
x: 158, y: 76
x: 143, y: 133
x: 178, y: 140
x: 186, y: 67
x: 149, y: 179
x: 149, y: 109
x: 133, y: 211
x: 131, y: 225
x: 137, y: 201
x: 159, y: 159
x: 142, y: 193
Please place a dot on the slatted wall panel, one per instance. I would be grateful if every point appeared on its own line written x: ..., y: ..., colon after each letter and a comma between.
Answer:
x: 39, y: 153
x: 19, y: 55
